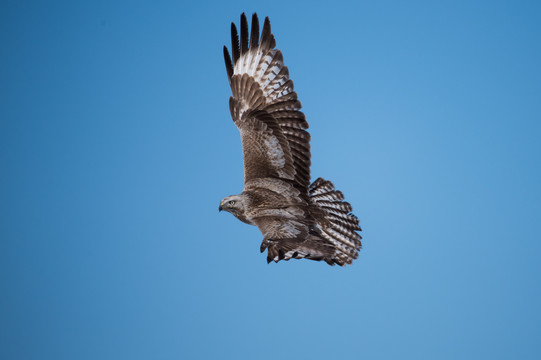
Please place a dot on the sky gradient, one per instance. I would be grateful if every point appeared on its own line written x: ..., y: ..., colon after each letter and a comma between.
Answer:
x: 116, y: 146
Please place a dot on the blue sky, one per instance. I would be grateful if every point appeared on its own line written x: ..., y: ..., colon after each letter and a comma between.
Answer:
x: 116, y: 146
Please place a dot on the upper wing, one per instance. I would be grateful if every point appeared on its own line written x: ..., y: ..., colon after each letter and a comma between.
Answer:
x: 265, y: 150
x: 265, y: 108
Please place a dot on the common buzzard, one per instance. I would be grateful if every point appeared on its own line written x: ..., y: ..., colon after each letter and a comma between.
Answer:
x: 297, y: 219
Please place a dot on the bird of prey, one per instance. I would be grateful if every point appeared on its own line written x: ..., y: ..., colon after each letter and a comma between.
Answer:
x: 297, y: 219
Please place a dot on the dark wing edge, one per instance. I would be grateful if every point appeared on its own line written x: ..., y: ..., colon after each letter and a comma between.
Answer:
x: 260, y: 82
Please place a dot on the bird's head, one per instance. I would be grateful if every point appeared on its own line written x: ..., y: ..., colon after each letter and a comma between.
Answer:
x: 233, y: 204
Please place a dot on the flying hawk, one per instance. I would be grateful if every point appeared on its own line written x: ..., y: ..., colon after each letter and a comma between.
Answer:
x: 297, y: 219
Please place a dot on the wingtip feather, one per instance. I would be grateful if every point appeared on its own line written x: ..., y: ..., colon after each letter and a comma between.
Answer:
x: 243, y: 34
x: 254, y: 35
x: 228, y: 64
x: 235, y: 49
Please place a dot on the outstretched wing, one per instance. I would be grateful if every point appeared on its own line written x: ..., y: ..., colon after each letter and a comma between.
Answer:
x: 265, y: 108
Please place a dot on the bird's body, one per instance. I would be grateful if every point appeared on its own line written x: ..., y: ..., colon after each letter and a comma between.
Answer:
x: 297, y: 220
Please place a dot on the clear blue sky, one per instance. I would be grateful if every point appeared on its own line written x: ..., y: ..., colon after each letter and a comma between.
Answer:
x: 116, y: 146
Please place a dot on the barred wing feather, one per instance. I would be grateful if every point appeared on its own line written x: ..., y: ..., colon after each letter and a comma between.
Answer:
x: 260, y: 84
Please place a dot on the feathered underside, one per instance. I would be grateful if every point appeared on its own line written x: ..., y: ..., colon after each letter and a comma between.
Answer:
x: 297, y: 220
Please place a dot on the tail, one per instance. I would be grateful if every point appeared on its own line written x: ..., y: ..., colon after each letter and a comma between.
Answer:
x: 335, y: 221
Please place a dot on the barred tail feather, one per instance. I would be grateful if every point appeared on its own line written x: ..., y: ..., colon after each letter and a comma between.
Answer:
x: 336, y: 222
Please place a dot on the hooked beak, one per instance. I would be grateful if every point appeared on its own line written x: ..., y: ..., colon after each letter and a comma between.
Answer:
x: 220, y: 208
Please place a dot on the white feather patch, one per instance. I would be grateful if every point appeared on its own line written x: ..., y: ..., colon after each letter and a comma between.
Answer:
x: 275, y: 152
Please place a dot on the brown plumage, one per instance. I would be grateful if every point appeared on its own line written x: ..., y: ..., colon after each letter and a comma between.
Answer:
x: 297, y: 219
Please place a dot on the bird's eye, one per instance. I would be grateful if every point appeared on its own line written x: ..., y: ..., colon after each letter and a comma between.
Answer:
x: 232, y: 202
